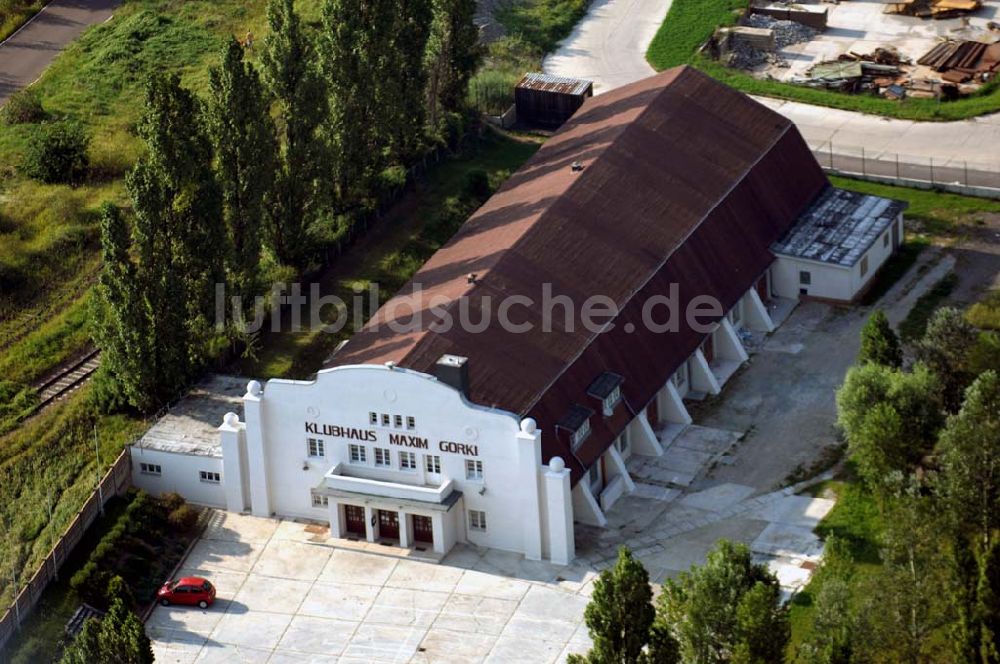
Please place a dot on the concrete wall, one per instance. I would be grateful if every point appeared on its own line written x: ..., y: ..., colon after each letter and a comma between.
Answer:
x: 180, y: 474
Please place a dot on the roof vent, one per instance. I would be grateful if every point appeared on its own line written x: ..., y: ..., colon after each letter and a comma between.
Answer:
x: 471, y: 278
x: 577, y: 166
x: 453, y: 370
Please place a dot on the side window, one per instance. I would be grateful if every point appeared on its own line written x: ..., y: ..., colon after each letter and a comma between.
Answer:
x: 805, y: 278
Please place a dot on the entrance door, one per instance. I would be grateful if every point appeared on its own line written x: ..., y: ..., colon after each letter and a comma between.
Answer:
x: 355, y: 518
x: 708, y: 348
x: 423, y: 529
x: 653, y: 413
x: 895, y: 235
x: 388, y: 524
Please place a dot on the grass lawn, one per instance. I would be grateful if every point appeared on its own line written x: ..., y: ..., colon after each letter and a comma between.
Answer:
x: 855, y: 519
x: 390, y: 253
x: 689, y: 23
x: 913, y: 326
x: 15, y: 13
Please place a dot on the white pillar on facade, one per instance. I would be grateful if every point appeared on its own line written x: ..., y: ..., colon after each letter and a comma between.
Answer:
x: 260, y: 499
x: 336, y: 519
x: 585, y: 507
x: 728, y: 343
x: 755, y: 313
x: 618, y: 468
x: 672, y: 405
x: 643, y: 438
x: 559, y: 507
x: 404, y: 530
x: 529, y: 461
x: 437, y: 526
x: 232, y: 433
x: 371, y: 524
x: 702, y: 378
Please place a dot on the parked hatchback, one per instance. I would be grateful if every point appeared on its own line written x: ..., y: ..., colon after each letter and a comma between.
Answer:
x: 191, y: 590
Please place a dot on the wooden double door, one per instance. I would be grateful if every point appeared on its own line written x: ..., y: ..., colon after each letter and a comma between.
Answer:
x: 354, y: 517
x: 388, y: 524
x: 423, y: 529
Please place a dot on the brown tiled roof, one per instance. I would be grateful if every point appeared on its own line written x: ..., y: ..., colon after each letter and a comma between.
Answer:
x: 684, y: 181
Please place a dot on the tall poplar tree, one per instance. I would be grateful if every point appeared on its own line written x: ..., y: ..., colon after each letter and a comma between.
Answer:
x: 407, y: 74
x: 243, y: 136
x: 355, y: 59
x: 452, y: 57
x: 291, y: 77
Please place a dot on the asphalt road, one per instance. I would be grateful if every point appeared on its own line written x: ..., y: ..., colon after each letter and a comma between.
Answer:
x: 26, y: 54
x: 609, y: 46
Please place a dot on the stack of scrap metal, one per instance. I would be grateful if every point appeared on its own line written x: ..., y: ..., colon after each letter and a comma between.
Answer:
x: 960, y: 61
x: 932, y: 8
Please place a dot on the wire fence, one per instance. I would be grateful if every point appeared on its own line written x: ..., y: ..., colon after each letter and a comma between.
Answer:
x: 114, y: 483
x: 976, y: 178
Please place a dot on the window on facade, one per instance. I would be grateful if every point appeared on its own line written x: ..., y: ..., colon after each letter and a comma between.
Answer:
x: 411, y: 422
x: 373, y: 418
x: 398, y: 419
x: 320, y: 501
x: 612, y: 400
x: 357, y: 453
x: 680, y: 376
x: 382, y: 457
x: 735, y: 315
x: 622, y: 443
x: 210, y: 477
x: 864, y: 266
x: 473, y: 469
x: 407, y: 461
x: 885, y: 240
x: 805, y: 277
x: 385, y: 420
x: 433, y: 464
x: 596, y: 478
x: 150, y: 469
x: 317, y: 448
x: 581, y: 434
x: 477, y: 520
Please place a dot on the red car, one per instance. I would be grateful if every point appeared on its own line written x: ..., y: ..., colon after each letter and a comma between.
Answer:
x: 191, y: 590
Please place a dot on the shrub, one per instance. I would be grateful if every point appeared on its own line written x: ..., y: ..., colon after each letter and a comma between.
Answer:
x: 23, y: 107
x: 56, y: 153
x: 171, y: 500
x: 183, y: 518
x: 986, y: 314
x: 477, y: 184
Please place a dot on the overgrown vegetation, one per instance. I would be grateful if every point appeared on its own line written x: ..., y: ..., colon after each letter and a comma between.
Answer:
x: 915, y: 323
x: 986, y: 313
x: 690, y: 23
x: 15, y: 13
x: 125, y: 556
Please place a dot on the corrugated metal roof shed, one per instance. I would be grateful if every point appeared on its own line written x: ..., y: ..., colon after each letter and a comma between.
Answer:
x: 560, y: 84
x: 684, y: 182
x: 839, y: 227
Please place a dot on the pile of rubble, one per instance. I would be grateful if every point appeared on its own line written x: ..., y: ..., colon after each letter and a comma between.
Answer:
x: 962, y: 61
x: 938, y: 9
x: 756, y: 41
x: 881, y: 71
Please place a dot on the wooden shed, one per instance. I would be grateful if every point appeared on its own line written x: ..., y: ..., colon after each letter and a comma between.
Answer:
x: 548, y: 101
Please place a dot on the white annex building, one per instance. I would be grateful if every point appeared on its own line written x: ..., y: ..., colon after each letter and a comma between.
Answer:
x: 424, y: 438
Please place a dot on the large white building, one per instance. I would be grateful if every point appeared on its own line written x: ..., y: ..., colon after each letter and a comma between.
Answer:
x: 675, y: 189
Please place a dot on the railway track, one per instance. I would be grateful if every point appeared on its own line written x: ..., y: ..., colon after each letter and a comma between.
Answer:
x: 67, y: 380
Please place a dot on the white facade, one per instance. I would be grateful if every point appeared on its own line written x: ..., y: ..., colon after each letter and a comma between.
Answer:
x: 794, y: 277
x: 383, y: 453
x: 197, y: 477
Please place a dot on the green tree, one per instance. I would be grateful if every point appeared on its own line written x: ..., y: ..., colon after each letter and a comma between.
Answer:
x: 620, y: 613
x: 889, y: 418
x: 969, y: 450
x: 354, y: 57
x: 946, y: 348
x: 727, y: 610
x: 155, y: 301
x: 403, y: 93
x: 879, y: 343
x: 452, y: 57
x: 118, y: 638
x: 907, y: 601
x: 57, y: 152
x: 292, y: 79
x: 831, y: 638
x: 243, y: 136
